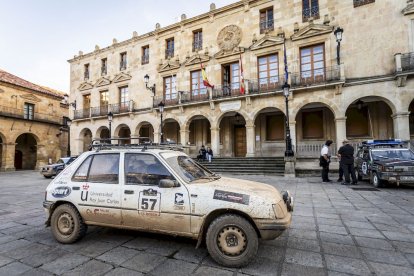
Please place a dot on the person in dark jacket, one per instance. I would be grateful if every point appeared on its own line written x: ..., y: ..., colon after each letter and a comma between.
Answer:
x: 324, y: 160
x: 346, y: 153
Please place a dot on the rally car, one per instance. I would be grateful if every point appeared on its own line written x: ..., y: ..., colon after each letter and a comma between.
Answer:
x: 385, y: 161
x: 160, y: 189
x: 51, y: 170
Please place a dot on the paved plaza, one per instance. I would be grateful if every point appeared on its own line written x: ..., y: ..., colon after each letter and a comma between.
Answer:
x: 335, y: 231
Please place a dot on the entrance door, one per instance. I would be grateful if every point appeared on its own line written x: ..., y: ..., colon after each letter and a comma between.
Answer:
x: 18, y: 160
x: 240, y: 148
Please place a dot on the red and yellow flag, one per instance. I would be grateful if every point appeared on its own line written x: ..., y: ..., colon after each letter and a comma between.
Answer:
x: 242, y: 88
x: 205, y: 80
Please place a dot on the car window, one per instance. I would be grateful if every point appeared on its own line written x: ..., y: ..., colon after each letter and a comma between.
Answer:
x: 60, y: 161
x: 365, y: 155
x: 104, y: 168
x: 82, y: 172
x: 144, y: 169
x: 360, y: 153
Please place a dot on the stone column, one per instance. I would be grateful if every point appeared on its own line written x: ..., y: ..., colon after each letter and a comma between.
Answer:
x: 401, y: 125
x: 215, y: 141
x: 157, y: 137
x: 79, y: 146
x: 185, y: 138
x: 340, y: 130
x: 250, y: 140
x: 41, y: 156
x: 292, y: 126
x: 8, y: 161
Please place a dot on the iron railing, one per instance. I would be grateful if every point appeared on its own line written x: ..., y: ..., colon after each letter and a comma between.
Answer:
x: 266, y: 26
x: 196, y: 95
x: 227, y: 90
x: 118, y: 108
x: 197, y: 45
x: 264, y: 85
x: 38, y: 117
x: 82, y: 113
x: 145, y: 59
x: 99, y: 111
x: 169, y: 53
x: 122, y: 65
x: 310, y: 12
x: 407, y: 61
x: 316, y: 76
x: 166, y: 101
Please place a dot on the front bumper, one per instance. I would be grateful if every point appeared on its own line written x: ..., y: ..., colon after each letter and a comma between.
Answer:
x: 46, y: 172
x: 395, y: 177
x: 270, y: 229
x: 48, y: 206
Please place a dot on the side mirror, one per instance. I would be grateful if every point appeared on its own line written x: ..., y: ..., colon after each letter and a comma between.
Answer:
x: 166, y: 183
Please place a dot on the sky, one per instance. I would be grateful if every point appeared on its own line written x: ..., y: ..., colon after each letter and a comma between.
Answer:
x: 37, y: 37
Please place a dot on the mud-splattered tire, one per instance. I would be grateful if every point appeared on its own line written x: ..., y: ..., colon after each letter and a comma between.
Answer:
x: 376, y: 181
x: 232, y: 241
x: 47, y: 176
x: 67, y: 224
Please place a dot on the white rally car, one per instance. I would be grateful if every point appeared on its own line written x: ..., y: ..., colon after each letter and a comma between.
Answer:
x: 156, y: 189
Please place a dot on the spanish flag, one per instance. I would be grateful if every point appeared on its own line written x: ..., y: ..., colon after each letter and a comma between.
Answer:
x: 242, y: 88
x: 205, y: 80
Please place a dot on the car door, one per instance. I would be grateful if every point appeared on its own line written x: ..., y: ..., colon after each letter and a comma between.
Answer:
x: 146, y: 205
x: 99, y: 189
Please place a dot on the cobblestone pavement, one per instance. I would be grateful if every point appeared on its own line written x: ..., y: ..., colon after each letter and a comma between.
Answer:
x: 335, y: 231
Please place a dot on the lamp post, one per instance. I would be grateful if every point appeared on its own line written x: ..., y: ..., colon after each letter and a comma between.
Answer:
x: 289, y: 151
x: 161, y: 107
x: 110, y: 117
x: 338, y: 34
x: 66, y: 100
x: 68, y: 123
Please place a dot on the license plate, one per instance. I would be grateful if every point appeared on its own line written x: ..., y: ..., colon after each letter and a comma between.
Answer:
x: 407, y: 178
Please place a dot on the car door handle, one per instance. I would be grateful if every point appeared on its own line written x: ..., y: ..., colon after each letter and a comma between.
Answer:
x: 128, y: 192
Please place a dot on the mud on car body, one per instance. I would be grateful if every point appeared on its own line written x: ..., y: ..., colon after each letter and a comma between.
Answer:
x: 385, y: 161
x: 51, y: 170
x: 163, y: 190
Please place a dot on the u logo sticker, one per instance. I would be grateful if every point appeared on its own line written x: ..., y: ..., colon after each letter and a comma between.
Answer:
x: 84, y: 198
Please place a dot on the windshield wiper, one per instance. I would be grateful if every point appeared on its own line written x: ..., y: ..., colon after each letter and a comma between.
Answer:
x: 211, y: 177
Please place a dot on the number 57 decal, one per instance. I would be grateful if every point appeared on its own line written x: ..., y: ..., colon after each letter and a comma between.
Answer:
x: 149, y: 203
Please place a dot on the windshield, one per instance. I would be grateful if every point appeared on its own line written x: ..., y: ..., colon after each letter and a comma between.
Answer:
x: 60, y: 161
x: 188, y: 169
x: 401, y: 154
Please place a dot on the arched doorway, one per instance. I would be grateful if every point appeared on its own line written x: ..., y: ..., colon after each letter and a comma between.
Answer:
x: 270, y: 132
x: 171, y: 131
x: 199, y: 134
x: 103, y: 134
x: 146, y: 130
x: 369, y: 118
x: 1, y: 151
x: 124, y: 132
x: 85, y: 137
x: 315, y: 123
x: 233, y: 135
x: 25, y: 156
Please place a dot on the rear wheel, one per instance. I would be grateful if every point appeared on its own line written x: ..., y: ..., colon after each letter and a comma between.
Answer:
x: 67, y: 224
x: 232, y: 241
x: 376, y: 181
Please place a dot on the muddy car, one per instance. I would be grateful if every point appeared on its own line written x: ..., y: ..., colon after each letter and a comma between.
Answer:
x: 54, y: 169
x: 162, y: 190
x: 385, y: 162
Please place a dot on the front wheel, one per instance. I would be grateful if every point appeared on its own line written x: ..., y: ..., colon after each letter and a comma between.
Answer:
x: 376, y: 181
x: 232, y: 241
x: 67, y: 224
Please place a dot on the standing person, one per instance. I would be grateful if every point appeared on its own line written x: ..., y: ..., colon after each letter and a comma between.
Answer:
x: 203, y: 153
x: 347, y: 159
x: 209, y: 154
x: 324, y: 161
x: 341, y: 171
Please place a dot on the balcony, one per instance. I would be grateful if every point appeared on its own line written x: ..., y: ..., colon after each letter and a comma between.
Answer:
x: 227, y: 90
x: 98, y: 111
x: 169, y: 53
x: 323, y: 76
x: 197, y: 45
x: 310, y: 12
x: 145, y: 59
x: 404, y: 66
x: 266, y: 26
x: 37, y: 117
x: 265, y: 85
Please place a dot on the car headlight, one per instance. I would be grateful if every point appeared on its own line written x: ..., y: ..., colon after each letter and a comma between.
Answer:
x: 389, y: 169
x: 278, y: 210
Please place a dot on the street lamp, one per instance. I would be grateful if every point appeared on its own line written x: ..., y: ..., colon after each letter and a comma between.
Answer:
x: 68, y: 123
x: 161, y: 107
x: 110, y: 117
x: 150, y: 88
x: 66, y: 100
x: 338, y: 34
x: 289, y: 152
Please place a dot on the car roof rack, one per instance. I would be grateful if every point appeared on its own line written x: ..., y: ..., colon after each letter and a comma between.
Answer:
x: 390, y: 143
x: 142, y: 143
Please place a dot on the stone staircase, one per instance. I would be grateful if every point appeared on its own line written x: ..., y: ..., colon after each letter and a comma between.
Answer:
x: 247, y: 165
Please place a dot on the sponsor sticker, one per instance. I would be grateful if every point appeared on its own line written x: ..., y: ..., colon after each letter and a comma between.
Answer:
x: 179, y: 199
x: 62, y: 191
x: 231, y: 197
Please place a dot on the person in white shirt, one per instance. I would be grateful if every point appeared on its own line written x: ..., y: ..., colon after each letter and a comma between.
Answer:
x: 324, y: 161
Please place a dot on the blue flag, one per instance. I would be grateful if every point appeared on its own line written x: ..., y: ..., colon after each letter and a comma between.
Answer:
x: 285, y: 61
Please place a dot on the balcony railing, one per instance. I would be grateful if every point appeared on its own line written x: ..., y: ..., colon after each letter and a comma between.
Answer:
x: 197, y: 45
x: 145, y: 59
x: 227, y: 90
x: 38, y: 117
x: 99, y: 111
x: 169, y: 53
x: 104, y: 110
x: 316, y: 76
x: 82, y: 113
x: 195, y: 95
x: 310, y: 12
x: 407, y: 61
x: 266, y: 26
x: 121, y: 107
x: 264, y: 85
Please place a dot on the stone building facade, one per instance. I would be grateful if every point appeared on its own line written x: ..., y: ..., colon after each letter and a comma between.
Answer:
x: 31, y: 121
x: 367, y: 94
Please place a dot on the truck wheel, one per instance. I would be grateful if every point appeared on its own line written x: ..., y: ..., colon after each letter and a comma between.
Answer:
x: 232, y: 241
x: 67, y: 224
x: 376, y: 181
